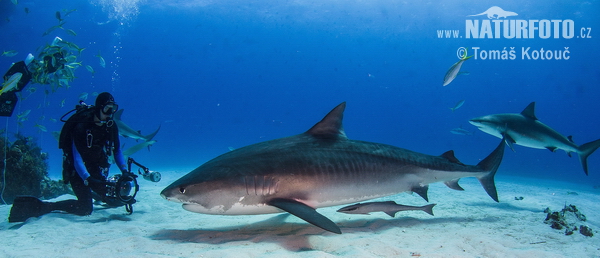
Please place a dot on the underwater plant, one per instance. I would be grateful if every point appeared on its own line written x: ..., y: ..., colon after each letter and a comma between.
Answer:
x: 26, y: 171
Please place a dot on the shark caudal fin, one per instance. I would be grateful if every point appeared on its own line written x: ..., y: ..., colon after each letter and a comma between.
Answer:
x: 491, y: 164
x: 586, y: 150
x: 151, y: 136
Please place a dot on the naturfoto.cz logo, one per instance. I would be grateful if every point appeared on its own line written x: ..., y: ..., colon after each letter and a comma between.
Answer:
x: 501, y: 25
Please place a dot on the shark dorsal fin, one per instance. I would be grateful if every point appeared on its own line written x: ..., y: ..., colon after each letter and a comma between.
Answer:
x: 330, y: 127
x: 529, y: 111
x: 449, y: 155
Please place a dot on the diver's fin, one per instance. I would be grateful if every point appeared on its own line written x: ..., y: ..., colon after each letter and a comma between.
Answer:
x: 25, y: 207
x: 306, y: 213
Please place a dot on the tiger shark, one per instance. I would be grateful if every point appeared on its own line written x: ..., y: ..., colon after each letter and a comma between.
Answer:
x: 526, y: 130
x: 318, y: 168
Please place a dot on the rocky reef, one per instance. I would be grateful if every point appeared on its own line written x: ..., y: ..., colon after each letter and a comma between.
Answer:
x: 26, y: 170
x: 569, y: 219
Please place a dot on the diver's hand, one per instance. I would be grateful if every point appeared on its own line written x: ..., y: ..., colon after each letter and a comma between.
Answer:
x: 98, y: 185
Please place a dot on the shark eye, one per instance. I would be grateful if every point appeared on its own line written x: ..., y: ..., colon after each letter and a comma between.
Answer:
x: 182, y: 190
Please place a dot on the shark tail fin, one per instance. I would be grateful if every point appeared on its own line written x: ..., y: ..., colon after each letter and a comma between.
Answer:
x: 491, y: 164
x: 150, y: 136
x: 429, y: 208
x: 586, y: 150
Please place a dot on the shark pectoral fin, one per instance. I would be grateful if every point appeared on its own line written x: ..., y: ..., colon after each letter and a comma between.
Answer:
x: 306, y: 213
x: 453, y: 184
x: 421, y: 191
x: 509, y: 141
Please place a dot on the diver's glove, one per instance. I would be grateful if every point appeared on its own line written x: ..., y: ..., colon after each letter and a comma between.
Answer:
x: 97, y: 185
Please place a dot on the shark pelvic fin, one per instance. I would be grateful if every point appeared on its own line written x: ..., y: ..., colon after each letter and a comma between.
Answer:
x: 306, y: 213
x: 453, y: 184
x: 491, y: 164
x: 330, y: 127
x: 421, y: 191
x: 529, y: 111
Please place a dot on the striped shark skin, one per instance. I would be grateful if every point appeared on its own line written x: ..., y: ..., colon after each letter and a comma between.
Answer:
x: 319, y: 168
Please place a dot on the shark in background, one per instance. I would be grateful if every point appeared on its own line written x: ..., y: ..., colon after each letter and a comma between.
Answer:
x: 526, y: 130
x: 127, y: 131
x: 319, y: 168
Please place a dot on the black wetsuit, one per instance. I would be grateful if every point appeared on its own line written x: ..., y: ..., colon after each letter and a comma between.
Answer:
x: 94, y: 144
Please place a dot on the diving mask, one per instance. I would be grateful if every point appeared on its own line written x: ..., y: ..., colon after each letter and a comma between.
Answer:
x: 110, y: 108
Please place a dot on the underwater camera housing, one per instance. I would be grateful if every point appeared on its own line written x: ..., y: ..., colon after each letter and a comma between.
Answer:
x: 122, y: 188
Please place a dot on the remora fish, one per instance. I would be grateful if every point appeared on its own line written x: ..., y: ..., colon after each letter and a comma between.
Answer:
x: 389, y: 208
x: 526, y: 130
x: 315, y: 169
x: 454, y: 69
x: 126, y: 131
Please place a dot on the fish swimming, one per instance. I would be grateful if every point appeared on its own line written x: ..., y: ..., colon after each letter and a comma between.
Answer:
x: 461, y: 131
x: 318, y: 168
x: 11, y: 83
x: 458, y: 105
x: 127, y: 131
x: 455, y: 69
x: 10, y: 53
x: 102, y: 62
x: 389, y: 208
x: 526, y: 130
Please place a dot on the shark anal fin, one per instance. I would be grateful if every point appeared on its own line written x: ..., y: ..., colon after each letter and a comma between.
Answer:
x: 306, y: 213
x: 449, y: 155
x: 552, y: 149
x: 391, y: 213
x: 421, y: 191
x: 453, y: 184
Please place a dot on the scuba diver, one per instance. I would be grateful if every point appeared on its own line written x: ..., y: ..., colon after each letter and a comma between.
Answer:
x: 55, y: 67
x: 88, y: 139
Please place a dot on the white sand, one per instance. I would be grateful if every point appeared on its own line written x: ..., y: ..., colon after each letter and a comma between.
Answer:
x: 466, y: 224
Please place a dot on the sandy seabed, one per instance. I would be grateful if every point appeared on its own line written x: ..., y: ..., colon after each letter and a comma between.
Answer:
x: 466, y: 224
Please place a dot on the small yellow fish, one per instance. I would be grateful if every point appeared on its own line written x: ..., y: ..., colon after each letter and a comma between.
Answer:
x: 12, y: 83
x: 10, y: 53
x: 23, y: 115
x: 458, y: 105
x: 454, y: 69
x: 62, y: 102
x: 90, y: 69
x: 72, y: 32
x: 41, y: 127
x: 83, y: 96
x: 102, y: 62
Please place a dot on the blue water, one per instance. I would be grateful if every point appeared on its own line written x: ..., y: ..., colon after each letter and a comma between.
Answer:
x: 220, y: 74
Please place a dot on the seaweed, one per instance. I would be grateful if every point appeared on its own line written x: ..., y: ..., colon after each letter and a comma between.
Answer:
x: 567, y: 219
x: 27, y: 170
